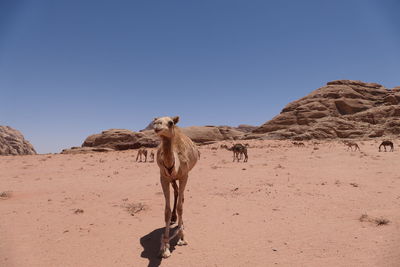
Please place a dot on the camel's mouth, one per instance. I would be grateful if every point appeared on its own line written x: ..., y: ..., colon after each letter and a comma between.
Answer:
x: 157, y: 130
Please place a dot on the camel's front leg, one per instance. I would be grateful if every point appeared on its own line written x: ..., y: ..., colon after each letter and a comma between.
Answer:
x: 176, y: 192
x: 181, y: 198
x: 165, y: 252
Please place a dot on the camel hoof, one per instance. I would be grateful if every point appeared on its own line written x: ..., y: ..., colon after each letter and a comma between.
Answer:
x: 182, y: 242
x: 166, y: 253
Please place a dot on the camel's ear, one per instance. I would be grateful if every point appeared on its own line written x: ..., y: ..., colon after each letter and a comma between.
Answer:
x: 155, y: 119
x: 175, y: 119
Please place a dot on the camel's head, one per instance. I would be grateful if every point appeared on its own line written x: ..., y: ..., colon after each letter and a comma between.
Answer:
x: 164, y: 126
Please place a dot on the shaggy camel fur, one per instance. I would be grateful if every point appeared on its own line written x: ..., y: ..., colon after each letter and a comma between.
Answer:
x: 176, y: 156
x: 350, y: 145
x: 141, y: 152
x: 385, y: 144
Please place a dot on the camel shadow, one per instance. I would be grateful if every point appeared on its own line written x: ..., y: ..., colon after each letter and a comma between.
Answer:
x: 151, y: 244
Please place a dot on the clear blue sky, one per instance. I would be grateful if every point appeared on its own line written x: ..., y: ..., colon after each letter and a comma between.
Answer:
x: 72, y: 68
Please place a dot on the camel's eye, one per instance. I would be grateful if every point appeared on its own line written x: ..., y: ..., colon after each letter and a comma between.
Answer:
x: 170, y: 123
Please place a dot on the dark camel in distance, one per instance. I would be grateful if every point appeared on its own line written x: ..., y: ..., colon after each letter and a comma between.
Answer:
x: 385, y: 144
x: 238, y: 151
x: 351, y: 144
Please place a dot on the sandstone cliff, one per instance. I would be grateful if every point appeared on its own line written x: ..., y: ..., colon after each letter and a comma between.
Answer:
x: 341, y: 109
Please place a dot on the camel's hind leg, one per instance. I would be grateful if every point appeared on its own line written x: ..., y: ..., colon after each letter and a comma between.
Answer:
x: 181, y: 198
x: 164, y: 251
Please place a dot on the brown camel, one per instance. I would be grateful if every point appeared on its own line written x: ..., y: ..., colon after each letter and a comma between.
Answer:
x: 385, y: 144
x: 238, y: 151
x: 151, y: 156
x: 299, y: 144
x: 176, y: 156
x: 350, y: 145
x: 141, y: 152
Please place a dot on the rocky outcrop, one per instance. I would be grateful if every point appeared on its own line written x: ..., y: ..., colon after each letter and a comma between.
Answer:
x: 207, y: 134
x: 84, y: 150
x: 121, y: 139
x: 12, y: 142
x: 341, y: 109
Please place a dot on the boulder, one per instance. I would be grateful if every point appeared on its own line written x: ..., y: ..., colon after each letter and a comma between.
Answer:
x: 12, y: 142
x: 121, y: 139
x: 207, y: 134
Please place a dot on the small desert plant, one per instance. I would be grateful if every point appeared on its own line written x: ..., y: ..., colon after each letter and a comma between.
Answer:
x: 381, y: 221
x: 5, y: 195
x: 364, y: 218
x: 134, y: 208
x: 78, y: 211
x: 377, y: 221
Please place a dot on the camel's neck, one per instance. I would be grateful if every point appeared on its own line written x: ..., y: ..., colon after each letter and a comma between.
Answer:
x: 168, y: 153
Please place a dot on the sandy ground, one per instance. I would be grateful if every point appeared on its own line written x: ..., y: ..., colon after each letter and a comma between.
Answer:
x: 288, y: 206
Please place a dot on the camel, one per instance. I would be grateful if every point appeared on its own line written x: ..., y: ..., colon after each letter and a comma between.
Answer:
x: 238, y: 151
x: 151, y: 156
x: 385, y: 144
x: 299, y: 144
x: 350, y: 145
x: 141, y: 152
x: 176, y: 156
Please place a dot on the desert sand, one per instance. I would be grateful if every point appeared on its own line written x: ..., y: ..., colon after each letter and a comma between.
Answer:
x: 318, y: 205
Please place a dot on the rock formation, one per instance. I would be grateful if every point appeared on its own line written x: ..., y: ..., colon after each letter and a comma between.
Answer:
x: 121, y: 139
x: 12, y: 142
x: 207, y: 134
x: 341, y: 109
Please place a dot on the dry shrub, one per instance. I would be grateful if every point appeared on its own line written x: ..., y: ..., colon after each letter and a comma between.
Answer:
x: 78, y: 211
x: 377, y: 221
x: 5, y: 195
x: 381, y: 221
x: 134, y: 208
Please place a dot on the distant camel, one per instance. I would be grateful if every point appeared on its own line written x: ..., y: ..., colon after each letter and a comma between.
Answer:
x: 176, y: 156
x: 299, y: 144
x: 141, y: 152
x: 151, y: 156
x: 350, y: 145
x: 385, y: 144
x: 238, y: 151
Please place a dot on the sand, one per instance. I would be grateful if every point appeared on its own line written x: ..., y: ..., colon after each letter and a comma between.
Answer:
x: 317, y: 205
